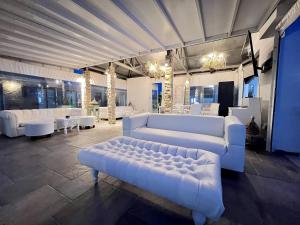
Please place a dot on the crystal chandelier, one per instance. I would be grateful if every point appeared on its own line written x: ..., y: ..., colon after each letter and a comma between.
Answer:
x: 214, y: 61
x: 156, y: 70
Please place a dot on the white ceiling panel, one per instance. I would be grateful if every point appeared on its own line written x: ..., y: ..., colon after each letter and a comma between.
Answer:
x: 251, y: 13
x: 108, y: 10
x: 149, y: 12
x: 82, y: 33
x: 217, y: 16
x: 188, y: 25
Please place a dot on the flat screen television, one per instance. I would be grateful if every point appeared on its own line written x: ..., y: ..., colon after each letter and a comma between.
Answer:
x: 248, y: 53
x: 250, y: 88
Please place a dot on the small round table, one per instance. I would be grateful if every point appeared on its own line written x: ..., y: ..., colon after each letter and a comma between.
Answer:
x: 39, y: 128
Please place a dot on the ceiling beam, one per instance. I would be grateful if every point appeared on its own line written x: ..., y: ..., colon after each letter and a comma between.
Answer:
x: 33, y: 57
x: 268, y: 13
x: 33, y: 44
x: 200, y: 18
x: 185, y: 58
x: 138, y: 22
x: 230, y: 67
x: 36, y: 50
x: 180, y: 60
x: 169, y: 19
x: 95, y: 12
x: 102, y: 72
x: 83, y: 31
x: 45, y: 31
x: 233, y: 16
x: 130, y: 68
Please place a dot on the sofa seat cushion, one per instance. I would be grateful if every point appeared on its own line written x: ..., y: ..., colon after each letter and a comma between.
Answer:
x: 189, y: 140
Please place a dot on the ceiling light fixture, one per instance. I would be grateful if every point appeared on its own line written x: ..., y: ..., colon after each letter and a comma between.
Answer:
x: 156, y: 70
x: 214, y: 61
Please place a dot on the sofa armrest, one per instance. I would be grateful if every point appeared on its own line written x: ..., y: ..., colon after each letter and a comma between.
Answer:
x: 133, y: 122
x: 9, y: 123
x: 235, y: 131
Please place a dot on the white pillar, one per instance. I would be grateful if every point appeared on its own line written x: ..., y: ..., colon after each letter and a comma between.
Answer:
x: 187, y: 90
x: 168, y: 86
x: 86, y: 90
x: 111, y: 94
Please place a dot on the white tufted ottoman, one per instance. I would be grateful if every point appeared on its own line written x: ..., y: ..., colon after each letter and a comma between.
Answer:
x: 38, y: 128
x: 188, y: 177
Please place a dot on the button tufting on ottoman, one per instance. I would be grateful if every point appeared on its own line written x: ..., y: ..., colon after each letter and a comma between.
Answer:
x: 188, y: 177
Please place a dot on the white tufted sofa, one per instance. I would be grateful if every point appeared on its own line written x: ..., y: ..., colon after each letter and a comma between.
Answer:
x: 223, y: 136
x: 188, y: 177
x: 12, y: 121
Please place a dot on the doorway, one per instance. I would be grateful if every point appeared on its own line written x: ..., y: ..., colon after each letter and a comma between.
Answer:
x: 156, y: 96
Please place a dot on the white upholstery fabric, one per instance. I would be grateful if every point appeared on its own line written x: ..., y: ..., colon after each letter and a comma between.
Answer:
x: 34, y: 129
x: 223, y: 136
x: 210, y: 125
x: 208, y: 109
x: 195, y: 109
x: 188, y: 177
x: 189, y: 140
x: 235, y: 131
x: 121, y: 111
x: 87, y: 121
x: 13, y: 120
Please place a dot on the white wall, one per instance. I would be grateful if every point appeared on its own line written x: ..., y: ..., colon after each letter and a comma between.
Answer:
x: 139, y: 93
x: 201, y: 79
x: 264, y: 47
x: 52, y: 72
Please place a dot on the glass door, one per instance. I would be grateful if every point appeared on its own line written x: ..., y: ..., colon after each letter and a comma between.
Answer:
x: 156, y: 97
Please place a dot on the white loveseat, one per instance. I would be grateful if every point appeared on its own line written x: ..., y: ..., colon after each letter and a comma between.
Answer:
x: 223, y: 136
x: 12, y: 121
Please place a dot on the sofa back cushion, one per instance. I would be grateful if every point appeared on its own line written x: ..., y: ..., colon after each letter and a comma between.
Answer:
x: 28, y: 115
x: 209, y: 125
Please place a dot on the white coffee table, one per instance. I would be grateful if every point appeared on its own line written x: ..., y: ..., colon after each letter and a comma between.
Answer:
x: 66, y: 123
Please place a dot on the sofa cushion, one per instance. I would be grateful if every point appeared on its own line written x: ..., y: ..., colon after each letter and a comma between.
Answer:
x: 209, y: 125
x: 189, y: 140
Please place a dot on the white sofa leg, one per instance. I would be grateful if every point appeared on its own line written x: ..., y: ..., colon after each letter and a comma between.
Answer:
x: 199, y: 219
x: 95, y: 175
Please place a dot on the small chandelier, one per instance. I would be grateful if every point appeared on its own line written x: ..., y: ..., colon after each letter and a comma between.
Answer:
x: 156, y: 70
x: 214, y: 61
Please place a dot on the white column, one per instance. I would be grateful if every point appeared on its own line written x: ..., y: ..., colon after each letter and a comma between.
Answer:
x: 111, y: 94
x: 86, y: 89
x: 187, y: 90
x: 168, y: 86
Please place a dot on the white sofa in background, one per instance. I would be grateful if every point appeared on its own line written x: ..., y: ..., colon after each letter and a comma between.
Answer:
x: 209, y: 109
x: 188, y: 177
x: 12, y: 121
x: 223, y: 136
x: 121, y: 111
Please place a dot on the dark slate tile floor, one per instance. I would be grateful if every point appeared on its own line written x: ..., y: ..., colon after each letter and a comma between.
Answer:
x: 41, y: 182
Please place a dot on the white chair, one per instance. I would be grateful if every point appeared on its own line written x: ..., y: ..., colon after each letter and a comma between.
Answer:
x: 211, y: 109
x: 196, y: 109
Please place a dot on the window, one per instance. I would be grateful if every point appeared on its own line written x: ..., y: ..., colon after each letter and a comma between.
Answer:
x: 72, y: 94
x: 121, y: 97
x: 99, y: 93
x: 19, y: 91
x: 204, y: 94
